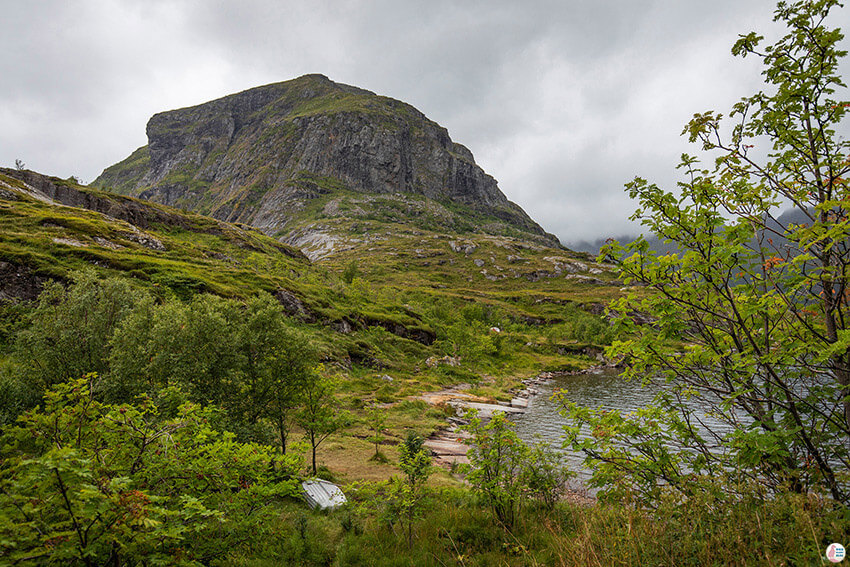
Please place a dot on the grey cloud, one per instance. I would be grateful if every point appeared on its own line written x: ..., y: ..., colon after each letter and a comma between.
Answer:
x: 561, y: 101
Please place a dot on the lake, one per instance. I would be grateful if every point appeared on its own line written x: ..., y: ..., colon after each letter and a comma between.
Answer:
x: 602, y: 388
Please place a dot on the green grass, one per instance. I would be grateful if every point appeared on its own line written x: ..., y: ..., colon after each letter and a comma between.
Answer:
x: 456, y: 529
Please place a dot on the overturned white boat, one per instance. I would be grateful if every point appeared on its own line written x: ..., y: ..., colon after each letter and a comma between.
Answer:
x: 322, y: 494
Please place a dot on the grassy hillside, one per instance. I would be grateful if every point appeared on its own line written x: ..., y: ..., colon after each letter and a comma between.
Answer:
x: 394, y: 308
x: 385, y: 296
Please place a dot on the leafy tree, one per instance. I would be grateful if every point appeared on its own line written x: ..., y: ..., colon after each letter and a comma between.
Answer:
x: 751, y: 313
x: 351, y: 271
x: 278, y: 362
x: 319, y: 414
x: 497, y: 465
x: 546, y: 474
x: 470, y: 340
x: 244, y: 357
x: 69, y: 331
x: 193, y: 345
x: 406, y: 497
x: 377, y: 419
x: 86, y: 483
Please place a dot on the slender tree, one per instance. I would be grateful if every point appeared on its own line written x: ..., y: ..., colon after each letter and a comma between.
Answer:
x: 415, y: 462
x: 498, y: 465
x: 319, y: 414
x: 278, y: 363
x: 377, y: 419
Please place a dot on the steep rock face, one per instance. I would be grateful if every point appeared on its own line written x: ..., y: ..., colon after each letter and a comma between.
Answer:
x: 262, y: 155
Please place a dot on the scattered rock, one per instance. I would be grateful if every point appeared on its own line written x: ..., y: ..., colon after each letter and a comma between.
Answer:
x: 220, y: 256
x: 465, y: 247
x: 343, y: 326
x: 143, y: 238
x: 295, y: 307
x: 433, y: 361
x: 538, y: 275
x: 69, y: 242
x: 594, y: 308
x: 587, y: 279
x: 639, y: 317
x: 107, y: 244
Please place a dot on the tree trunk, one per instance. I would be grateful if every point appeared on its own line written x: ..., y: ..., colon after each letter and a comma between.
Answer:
x: 281, y: 427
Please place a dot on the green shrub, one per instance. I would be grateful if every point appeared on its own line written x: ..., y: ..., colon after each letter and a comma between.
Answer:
x: 89, y: 483
x: 350, y: 272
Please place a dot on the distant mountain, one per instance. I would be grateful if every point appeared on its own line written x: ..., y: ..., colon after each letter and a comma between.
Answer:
x: 592, y: 246
x: 282, y: 156
x: 791, y: 216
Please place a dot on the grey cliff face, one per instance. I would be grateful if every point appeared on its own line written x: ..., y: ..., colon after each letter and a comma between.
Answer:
x: 259, y: 156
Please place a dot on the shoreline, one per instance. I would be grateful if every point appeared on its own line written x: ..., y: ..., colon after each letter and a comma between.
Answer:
x: 448, y: 444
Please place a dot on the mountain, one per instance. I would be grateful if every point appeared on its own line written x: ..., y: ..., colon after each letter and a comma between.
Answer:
x: 282, y: 156
x: 779, y: 224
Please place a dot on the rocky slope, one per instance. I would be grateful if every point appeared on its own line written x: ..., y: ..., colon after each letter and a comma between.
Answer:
x: 280, y: 156
x: 388, y: 283
x: 50, y: 227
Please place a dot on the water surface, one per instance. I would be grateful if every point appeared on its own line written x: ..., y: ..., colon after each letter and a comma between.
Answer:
x: 603, y: 388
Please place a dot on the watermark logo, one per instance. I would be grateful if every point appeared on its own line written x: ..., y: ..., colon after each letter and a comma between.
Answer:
x: 835, y: 552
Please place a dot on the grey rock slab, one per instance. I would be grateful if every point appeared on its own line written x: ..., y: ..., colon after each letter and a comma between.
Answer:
x: 446, y: 447
x: 485, y: 411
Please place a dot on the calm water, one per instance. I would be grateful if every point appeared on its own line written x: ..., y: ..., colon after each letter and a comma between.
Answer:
x: 604, y: 389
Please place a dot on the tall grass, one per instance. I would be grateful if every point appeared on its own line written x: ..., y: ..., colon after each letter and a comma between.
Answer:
x: 457, y: 530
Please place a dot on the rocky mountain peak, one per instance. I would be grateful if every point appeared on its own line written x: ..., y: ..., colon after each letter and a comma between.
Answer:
x: 264, y: 155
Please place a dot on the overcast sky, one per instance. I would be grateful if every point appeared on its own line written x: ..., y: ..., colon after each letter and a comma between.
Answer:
x: 561, y: 101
